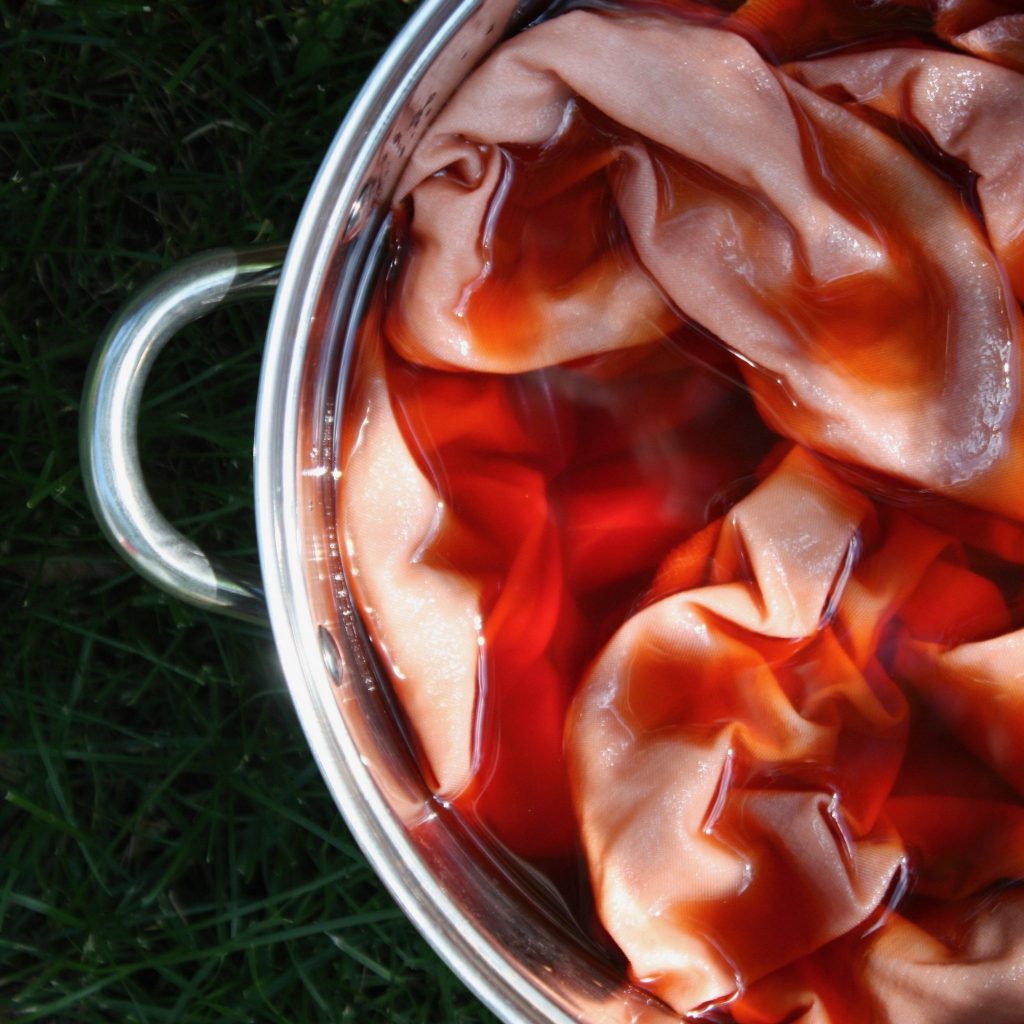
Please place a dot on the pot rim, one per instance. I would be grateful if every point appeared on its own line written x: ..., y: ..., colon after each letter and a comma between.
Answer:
x: 335, y: 201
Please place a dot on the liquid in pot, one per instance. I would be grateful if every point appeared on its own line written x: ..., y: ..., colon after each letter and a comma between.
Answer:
x: 681, y: 496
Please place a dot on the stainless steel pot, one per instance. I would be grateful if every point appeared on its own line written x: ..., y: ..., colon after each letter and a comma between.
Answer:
x: 493, y: 927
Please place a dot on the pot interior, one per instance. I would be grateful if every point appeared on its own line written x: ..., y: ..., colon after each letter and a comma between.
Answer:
x: 496, y: 922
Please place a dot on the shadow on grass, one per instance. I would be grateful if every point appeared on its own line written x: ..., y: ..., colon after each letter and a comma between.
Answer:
x: 167, y: 849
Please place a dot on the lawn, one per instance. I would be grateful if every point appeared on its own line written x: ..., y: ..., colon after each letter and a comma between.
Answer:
x: 167, y: 849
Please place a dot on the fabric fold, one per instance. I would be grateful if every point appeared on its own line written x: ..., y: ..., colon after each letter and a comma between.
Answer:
x: 718, y: 189
x: 684, y: 491
x: 425, y: 619
x: 729, y: 722
x: 751, y: 757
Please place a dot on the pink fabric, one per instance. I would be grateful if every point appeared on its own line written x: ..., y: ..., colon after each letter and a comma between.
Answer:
x: 993, y: 29
x: 693, y: 858
x: 748, y: 790
x: 1000, y: 40
x: 425, y: 618
x: 752, y: 755
x: 971, y: 110
x: 808, y: 209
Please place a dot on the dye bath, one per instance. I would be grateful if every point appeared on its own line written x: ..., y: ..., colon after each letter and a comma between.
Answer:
x: 735, y: 660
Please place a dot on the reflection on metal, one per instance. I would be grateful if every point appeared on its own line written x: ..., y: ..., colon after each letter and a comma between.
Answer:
x: 109, y: 425
x: 527, y: 962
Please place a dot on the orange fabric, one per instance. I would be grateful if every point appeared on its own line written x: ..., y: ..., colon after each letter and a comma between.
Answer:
x: 959, y: 964
x: 498, y: 528
x: 801, y: 27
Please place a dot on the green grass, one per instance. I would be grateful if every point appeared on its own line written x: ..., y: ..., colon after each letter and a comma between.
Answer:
x: 168, y: 851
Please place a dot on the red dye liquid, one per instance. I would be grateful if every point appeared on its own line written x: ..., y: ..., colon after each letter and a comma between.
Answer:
x: 568, y: 487
x: 569, y: 484
x: 577, y: 494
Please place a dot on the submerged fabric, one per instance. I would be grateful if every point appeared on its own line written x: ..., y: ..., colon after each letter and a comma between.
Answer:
x: 757, y: 721
x: 425, y: 620
x: 752, y: 754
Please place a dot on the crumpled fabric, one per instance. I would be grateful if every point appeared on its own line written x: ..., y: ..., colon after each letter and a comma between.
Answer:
x: 745, y: 746
x: 483, y: 547
x: 761, y: 209
x: 433, y: 651
x: 991, y: 29
x: 790, y: 753
x: 971, y: 110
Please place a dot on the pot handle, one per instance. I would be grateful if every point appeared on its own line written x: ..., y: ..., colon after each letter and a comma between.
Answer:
x: 109, y: 423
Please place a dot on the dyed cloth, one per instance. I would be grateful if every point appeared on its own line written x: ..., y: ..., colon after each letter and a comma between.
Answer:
x: 763, y: 661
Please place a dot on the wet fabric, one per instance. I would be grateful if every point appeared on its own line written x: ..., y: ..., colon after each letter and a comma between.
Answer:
x: 762, y: 721
x: 762, y: 210
x: 748, y: 625
x: 425, y: 620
